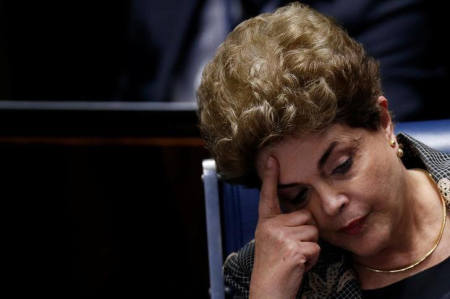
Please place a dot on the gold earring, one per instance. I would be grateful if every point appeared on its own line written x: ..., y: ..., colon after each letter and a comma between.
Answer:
x: 392, y: 143
x: 399, y: 152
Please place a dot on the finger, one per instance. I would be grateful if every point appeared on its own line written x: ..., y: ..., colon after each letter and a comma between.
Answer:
x: 304, y: 233
x: 311, y: 251
x: 268, y: 201
x: 296, y: 218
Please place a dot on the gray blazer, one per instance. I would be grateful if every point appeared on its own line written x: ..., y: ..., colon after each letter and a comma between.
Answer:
x: 333, y: 276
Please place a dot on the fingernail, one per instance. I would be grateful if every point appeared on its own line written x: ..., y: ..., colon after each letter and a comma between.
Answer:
x: 270, y: 163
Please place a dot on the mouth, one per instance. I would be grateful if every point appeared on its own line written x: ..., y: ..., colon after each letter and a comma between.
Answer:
x: 355, y: 226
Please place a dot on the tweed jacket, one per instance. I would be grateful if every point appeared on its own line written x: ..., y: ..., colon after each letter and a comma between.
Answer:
x: 333, y: 276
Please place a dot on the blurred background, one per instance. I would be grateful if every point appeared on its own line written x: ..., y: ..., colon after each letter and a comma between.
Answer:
x: 100, y: 153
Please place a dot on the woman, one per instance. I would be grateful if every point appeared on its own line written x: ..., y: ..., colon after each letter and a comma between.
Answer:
x: 292, y: 104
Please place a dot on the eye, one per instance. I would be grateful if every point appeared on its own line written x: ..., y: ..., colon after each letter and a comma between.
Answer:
x: 344, y: 167
x: 300, y: 199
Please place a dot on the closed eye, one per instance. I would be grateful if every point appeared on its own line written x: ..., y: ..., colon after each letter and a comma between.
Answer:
x: 300, y: 199
x: 344, y: 167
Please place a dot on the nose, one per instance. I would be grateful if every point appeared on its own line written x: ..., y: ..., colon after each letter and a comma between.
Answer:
x: 332, y: 201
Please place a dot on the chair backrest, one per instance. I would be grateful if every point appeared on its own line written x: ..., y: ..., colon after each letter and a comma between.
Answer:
x: 239, y: 205
x: 213, y: 229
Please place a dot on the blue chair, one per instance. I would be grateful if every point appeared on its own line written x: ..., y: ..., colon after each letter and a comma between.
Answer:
x: 236, y: 217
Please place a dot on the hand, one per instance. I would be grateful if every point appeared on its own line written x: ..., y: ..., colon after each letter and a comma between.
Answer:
x: 285, y: 244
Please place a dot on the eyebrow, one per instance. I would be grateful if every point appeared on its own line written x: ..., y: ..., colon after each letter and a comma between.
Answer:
x: 326, y: 155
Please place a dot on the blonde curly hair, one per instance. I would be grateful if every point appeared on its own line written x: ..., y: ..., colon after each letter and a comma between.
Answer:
x: 290, y: 72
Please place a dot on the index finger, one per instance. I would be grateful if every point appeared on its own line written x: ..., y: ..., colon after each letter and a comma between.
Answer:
x: 268, y: 200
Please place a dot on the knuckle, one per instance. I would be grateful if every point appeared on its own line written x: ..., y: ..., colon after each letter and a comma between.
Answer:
x: 299, y: 258
x: 291, y: 248
x: 295, y: 252
x: 281, y: 235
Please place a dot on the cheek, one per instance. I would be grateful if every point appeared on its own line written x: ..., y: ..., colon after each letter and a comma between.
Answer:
x: 375, y: 176
x: 368, y: 187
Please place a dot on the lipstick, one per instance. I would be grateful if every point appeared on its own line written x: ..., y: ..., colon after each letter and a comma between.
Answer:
x: 354, y: 227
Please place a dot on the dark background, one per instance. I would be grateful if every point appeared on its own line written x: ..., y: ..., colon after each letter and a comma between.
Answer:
x: 103, y: 222
x: 63, y: 50
x: 100, y: 201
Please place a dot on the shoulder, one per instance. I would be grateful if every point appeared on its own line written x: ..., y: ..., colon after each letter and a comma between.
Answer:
x: 417, y: 154
x: 237, y: 269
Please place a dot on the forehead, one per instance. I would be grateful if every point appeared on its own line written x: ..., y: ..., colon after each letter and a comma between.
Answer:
x: 306, y: 150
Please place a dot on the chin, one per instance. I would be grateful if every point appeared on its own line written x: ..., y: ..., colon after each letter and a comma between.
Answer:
x: 367, y: 243
x: 365, y: 250
x: 370, y: 244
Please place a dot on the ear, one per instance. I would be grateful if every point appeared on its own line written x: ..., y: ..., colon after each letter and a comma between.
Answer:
x: 386, y: 124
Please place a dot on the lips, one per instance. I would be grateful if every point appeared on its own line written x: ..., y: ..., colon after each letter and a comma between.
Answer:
x: 354, y: 227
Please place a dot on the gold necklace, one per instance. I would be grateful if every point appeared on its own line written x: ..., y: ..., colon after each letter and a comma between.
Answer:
x: 436, y: 243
